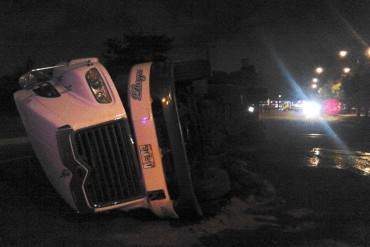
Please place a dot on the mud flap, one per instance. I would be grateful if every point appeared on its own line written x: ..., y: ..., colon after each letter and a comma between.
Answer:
x: 178, y: 169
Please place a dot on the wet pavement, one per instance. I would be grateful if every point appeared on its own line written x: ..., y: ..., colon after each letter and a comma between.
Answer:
x: 320, y: 167
x: 320, y: 170
x: 334, y: 142
x: 356, y: 161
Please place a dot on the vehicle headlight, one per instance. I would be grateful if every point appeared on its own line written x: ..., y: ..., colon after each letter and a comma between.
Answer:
x: 97, y: 86
x: 311, y: 109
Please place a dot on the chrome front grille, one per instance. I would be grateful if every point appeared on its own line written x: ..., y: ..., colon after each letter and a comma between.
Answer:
x: 107, y: 150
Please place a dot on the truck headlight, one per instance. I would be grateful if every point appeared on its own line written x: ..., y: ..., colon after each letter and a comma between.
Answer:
x: 97, y: 86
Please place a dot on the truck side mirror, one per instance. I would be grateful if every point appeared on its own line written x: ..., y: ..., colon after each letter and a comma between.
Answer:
x: 27, y: 80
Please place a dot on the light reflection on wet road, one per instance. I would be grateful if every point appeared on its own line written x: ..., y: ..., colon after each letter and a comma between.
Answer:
x: 356, y: 161
x: 309, y: 143
x: 314, y: 135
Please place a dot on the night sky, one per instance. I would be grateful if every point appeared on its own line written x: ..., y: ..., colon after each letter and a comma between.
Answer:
x: 301, y: 34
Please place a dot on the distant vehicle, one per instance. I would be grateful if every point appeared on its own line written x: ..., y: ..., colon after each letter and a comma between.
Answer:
x: 309, y: 108
x: 298, y: 105
x: 332, y: 106
x: 100, y: 156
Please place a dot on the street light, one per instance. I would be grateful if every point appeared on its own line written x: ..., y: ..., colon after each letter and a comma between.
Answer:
x: 319, y: 70
x: 315, y: 80
x: 367, y: 52
x: 343, y: 53
x: 346, y: 70
x: 314, y: 86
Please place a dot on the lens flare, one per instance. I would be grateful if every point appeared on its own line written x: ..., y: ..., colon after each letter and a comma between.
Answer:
x: 300, y: 94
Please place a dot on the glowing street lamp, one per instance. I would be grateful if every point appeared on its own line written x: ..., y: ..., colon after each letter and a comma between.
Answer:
x: 346, y: 70
x: 319, y: 70
x: 367, y: 52
x: 315, y: 80
x: 343, y: 53
x: 314, y: 86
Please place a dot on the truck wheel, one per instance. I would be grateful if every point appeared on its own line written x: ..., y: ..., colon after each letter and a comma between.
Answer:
x: 211, y: 184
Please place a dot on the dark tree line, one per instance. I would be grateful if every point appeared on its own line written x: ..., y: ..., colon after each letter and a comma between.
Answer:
x: 122, y: 53
x: 356, y: 89
x: 247, y: 76
x: 9, y: 84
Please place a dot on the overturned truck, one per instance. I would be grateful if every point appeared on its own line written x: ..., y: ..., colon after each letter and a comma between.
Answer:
x: 105, y: 146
